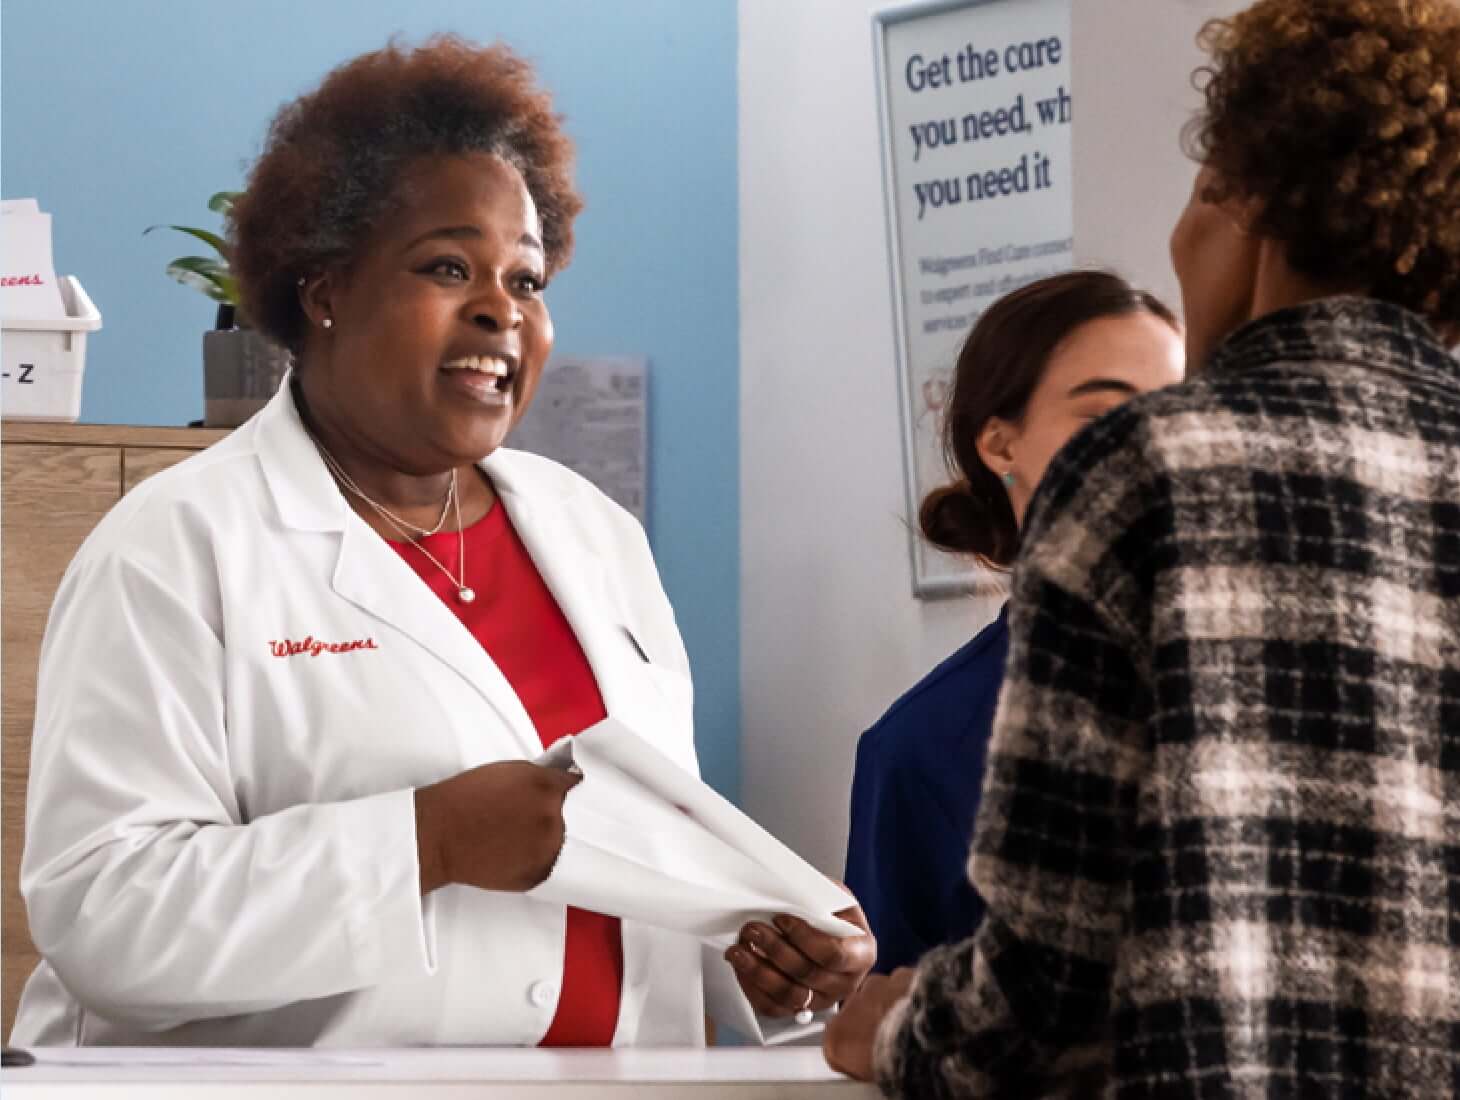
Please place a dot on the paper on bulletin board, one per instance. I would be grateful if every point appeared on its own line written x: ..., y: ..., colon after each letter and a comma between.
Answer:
x: 591, y: 414
x: 976, y: 114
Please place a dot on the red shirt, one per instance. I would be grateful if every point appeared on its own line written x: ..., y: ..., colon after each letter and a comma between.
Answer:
x: 520, y: 625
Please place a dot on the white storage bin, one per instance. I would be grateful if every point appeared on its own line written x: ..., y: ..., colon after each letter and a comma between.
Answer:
x: 42, y: 359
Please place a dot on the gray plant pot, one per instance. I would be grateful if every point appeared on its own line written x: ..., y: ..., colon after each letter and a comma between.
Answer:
x: 241, y: 370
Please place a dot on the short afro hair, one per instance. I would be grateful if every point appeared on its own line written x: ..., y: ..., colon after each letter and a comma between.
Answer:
x: 1340, y: 121
x: 333, y: 160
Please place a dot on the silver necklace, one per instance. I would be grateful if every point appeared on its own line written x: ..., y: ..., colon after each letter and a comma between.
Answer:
x: 453, y: 503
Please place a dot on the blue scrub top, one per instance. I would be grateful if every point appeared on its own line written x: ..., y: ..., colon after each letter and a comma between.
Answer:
x: 914, y: 797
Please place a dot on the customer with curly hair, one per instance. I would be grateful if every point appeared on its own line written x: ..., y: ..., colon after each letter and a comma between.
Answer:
x: 1220, y: 839
x: 291, y: 690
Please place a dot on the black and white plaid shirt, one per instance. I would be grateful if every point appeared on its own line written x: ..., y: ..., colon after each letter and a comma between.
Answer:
x: 1220, y: 833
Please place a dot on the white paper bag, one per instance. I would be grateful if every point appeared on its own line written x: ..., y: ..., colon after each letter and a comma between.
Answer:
x: 649, y: 842
x: 28, y: 287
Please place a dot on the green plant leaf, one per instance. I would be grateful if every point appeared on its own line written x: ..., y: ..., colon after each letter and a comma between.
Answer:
x: 207, y: 275
x: 201, y: 234
x: 222, y: 202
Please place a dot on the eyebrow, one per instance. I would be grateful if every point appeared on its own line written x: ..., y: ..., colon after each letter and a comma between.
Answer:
x: 1101, y: 385
x: 471, y: 232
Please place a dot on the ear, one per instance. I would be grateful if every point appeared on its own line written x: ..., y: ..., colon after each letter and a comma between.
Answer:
x: 316, y: 293
x: 995, y: 444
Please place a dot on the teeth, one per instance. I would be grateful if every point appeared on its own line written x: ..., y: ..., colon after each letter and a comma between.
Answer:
x: 486, y: 365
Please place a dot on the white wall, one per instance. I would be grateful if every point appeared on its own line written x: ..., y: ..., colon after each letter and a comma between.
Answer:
x: 1133, y: 62
x: 830, y: 633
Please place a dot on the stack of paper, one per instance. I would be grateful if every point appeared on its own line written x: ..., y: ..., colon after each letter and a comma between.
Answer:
x: 28, y: 287
x: 649, y: 842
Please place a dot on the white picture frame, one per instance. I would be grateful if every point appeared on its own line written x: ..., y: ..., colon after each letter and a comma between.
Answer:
x: 979, y: 203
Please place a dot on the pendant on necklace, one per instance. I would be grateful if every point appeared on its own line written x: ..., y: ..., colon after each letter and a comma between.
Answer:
x: 465, y: 595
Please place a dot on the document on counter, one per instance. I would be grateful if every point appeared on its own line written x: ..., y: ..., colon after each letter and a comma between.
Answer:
x: 151, y: 1057
x: 647, y: 841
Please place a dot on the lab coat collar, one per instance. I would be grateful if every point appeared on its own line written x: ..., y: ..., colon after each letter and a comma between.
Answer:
x: 368, y: 572
x: 573, y: 572
x: 371, y: 574
x: 305, y: 492
x: 301, y: 485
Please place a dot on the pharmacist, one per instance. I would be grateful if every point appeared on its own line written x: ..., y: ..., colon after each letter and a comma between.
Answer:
x: 281, y: 791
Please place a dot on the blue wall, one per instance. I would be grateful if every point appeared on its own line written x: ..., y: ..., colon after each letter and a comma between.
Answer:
x: 118, y: 115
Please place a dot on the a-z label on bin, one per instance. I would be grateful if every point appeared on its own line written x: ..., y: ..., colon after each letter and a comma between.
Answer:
x: 42, y: 359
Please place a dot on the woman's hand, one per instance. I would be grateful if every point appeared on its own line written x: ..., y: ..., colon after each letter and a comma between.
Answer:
x: 792, y: 967
x: 496, y: 827
x: 852, y: 1033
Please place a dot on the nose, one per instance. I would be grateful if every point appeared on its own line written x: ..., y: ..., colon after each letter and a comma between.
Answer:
x: 496, y: 310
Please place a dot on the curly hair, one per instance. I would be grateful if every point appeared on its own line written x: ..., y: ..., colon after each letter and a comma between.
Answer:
x: 333, y: 160
x: 1340, y: 121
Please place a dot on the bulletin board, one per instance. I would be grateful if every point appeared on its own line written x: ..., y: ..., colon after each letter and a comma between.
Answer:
x: 591, y: 413
x: 976, y: 110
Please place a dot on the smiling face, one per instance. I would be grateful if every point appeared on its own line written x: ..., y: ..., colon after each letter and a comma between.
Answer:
x: 439, y: 328
x: 1098, y: 366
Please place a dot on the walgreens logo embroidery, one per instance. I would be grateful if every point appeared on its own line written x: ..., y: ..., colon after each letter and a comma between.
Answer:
x: 309, y: 647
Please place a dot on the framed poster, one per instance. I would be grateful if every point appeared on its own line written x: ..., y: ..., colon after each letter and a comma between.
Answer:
x: 976, y: 112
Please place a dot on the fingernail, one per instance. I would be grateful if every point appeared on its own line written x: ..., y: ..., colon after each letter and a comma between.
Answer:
x: 736, y: 958
x: 755, y: 936
x: 783, y: 923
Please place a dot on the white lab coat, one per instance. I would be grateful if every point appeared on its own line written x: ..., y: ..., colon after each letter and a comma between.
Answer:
x: 220, y: 842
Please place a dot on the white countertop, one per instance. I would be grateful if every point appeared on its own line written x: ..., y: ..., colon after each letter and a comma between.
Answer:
x: 132, y: 1073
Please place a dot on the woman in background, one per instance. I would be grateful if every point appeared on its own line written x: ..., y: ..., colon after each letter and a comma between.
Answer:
x: 1038, y: 366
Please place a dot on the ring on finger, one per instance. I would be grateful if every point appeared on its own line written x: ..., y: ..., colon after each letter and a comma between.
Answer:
x: 804, y: 1015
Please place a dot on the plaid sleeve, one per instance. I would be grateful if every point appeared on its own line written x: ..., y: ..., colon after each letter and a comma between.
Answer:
x: 1020, y: 1009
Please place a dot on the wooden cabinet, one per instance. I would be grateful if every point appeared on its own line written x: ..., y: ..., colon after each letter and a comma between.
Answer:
x: 56, y: 482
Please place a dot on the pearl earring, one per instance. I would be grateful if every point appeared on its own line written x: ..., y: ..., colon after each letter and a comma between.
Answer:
x: 328, y: 322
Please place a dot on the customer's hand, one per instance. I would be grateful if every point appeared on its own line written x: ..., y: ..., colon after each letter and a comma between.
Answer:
x: 496, y: 827
x: 788, y: 966
x: 852, y: 1033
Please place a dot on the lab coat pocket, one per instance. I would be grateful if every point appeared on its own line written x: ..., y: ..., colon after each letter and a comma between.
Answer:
x: 676, y: 687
